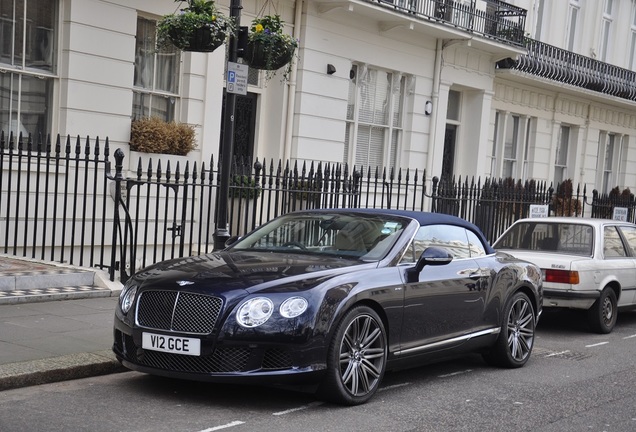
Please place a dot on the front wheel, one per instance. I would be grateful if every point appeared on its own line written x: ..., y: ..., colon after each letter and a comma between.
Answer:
x: 356, y: 358
x: 602, y: 315
x: 516, y: 339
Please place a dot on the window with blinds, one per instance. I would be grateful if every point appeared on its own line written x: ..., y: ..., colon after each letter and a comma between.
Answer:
x: 374, y: 117
x: 156, y: 81
x: 28, y: 71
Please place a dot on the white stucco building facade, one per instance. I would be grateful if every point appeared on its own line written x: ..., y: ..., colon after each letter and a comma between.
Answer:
x: 408, y: 91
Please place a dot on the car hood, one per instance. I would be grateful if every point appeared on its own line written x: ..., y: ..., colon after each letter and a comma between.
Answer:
x: 226, y: 271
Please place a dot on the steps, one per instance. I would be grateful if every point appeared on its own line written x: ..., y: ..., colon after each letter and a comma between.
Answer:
x: 26, y: 281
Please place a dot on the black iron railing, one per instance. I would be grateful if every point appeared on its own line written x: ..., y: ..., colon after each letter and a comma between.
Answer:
x: 489, y: 18
x: 53, y: 200
x: 64, y: 202
x: 566, y: 67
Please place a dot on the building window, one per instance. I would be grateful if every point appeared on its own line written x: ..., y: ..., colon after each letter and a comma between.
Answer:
x: 493, y: 150
x: 511, y: 143
x: 374, y: 117
x: 609, y: 155
x: 156, y: 81
x: 632, y: 47
x: 561, y: 159
x: 606, y: 30
x: 28, y: 50
x: 526, y: 151
x: 573, y: 15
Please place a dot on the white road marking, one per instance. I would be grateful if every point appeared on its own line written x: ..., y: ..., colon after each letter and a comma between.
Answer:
x: 391, y: 387
x: 595, y: 345
x: 558, y: 353
x: 454, y: 373
x: 629, y: 337
x: 304, y: 407
x: 225, y: 426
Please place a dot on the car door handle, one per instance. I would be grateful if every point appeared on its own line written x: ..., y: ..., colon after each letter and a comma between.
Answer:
x: 475, y: 275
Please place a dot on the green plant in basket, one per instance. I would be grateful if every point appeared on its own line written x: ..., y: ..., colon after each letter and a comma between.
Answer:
x: 198, y: 27
x: 268, y: 48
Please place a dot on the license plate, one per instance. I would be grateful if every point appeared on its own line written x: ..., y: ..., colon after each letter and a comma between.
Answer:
x: 171, y: 344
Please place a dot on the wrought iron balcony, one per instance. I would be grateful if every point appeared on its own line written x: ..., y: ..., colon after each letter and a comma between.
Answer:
x: 493, y: 19
x: 566, y: 67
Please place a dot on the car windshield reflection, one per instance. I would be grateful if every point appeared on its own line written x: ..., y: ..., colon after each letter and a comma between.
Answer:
x: 367, y: 238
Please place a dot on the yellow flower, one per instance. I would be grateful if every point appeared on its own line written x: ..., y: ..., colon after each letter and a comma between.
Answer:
x: 213, y: 17
x: 259, y: 28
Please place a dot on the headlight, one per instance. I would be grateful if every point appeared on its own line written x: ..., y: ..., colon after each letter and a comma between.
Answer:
x: 293, y: 306
x: 255, y: 312
x: 127, y: 298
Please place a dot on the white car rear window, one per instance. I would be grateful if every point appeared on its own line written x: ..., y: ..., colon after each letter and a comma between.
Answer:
x: 566, y: 238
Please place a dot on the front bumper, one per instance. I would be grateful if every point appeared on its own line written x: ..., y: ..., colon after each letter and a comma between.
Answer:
x: 223, y: 362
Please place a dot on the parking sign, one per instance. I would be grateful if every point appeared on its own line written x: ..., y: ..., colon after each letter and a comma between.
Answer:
x: 237, y: 78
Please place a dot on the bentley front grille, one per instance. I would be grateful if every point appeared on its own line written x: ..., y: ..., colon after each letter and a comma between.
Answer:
x: 178, y: 311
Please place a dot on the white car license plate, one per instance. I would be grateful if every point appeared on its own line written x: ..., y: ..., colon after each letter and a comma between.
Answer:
x: 171, y: 344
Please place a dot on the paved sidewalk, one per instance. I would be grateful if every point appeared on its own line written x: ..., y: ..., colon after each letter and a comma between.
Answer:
x: 53, y: 334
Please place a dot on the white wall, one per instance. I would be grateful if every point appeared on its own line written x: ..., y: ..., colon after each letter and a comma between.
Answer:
x: 96, y: 59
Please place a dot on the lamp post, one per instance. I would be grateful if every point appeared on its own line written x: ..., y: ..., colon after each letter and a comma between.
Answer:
x: 221, y: 232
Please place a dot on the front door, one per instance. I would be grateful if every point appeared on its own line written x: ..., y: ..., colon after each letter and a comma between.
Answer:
x: 244, y: 127
x: 448, y: 157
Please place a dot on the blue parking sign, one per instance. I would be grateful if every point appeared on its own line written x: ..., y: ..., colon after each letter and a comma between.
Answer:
x: 237, y: 78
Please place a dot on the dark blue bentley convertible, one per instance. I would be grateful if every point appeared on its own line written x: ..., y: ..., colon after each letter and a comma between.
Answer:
x: 333, y: 298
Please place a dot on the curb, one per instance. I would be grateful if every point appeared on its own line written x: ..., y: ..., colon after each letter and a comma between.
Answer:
x: 50, y: 370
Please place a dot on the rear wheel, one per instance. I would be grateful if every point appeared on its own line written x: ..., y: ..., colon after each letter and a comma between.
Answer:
x: 516, y: 339
x: 356, y: 359
x: 602, y: 315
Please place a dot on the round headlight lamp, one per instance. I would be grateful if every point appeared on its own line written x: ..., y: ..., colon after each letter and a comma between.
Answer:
x: 293, y: 306
x: 127, y: 298
x: 254, y: 312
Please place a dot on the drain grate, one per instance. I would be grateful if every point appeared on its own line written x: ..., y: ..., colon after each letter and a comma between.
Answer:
x: 565, y: 354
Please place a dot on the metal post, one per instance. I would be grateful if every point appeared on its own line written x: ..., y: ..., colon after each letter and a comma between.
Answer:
x: 221, y: 232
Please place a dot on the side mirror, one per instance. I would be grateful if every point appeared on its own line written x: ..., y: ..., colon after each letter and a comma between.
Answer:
x: 430, y: 256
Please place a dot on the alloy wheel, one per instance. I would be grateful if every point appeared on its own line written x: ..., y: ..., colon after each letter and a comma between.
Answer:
x: 520, y: 329
x: 362, y: 355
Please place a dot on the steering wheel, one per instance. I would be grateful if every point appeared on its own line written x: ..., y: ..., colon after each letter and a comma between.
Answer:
x: 294, y: 244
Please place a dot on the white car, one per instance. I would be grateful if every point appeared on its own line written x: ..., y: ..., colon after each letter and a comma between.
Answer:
x: 586, y: 263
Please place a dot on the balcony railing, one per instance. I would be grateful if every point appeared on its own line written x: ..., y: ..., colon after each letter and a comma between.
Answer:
x: 566, y: 67
x: 493, y: 19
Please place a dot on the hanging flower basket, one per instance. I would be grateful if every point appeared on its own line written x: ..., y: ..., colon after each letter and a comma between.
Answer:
x: 261, y: 55
x: 199, y: 27
x: 203, y: 40
x: 268, y: 48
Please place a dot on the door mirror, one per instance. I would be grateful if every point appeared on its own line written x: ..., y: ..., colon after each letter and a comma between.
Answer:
x: 430, y: 256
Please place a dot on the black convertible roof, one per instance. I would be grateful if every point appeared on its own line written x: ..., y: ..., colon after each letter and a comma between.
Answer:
x: 424, y: 218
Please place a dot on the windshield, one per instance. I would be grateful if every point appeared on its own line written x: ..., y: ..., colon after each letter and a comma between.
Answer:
x: 566, y: 238
x: 357, y: 236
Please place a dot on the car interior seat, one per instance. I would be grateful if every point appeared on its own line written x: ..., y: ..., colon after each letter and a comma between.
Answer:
x: 357, y: 236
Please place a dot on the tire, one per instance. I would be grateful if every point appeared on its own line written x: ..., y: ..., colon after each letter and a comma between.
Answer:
x: 603, y: 313
x: 356, y: 358
x: 516, y: 339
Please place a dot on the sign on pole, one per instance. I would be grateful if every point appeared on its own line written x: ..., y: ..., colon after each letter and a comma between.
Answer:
x: 620, y: 214
x: 237, y: 78
x: 538, y: 211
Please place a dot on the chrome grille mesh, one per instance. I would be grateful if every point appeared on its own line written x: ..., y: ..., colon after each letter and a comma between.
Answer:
x: 178, y: 311
x: 275, y: 358
x: 222, y: 360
